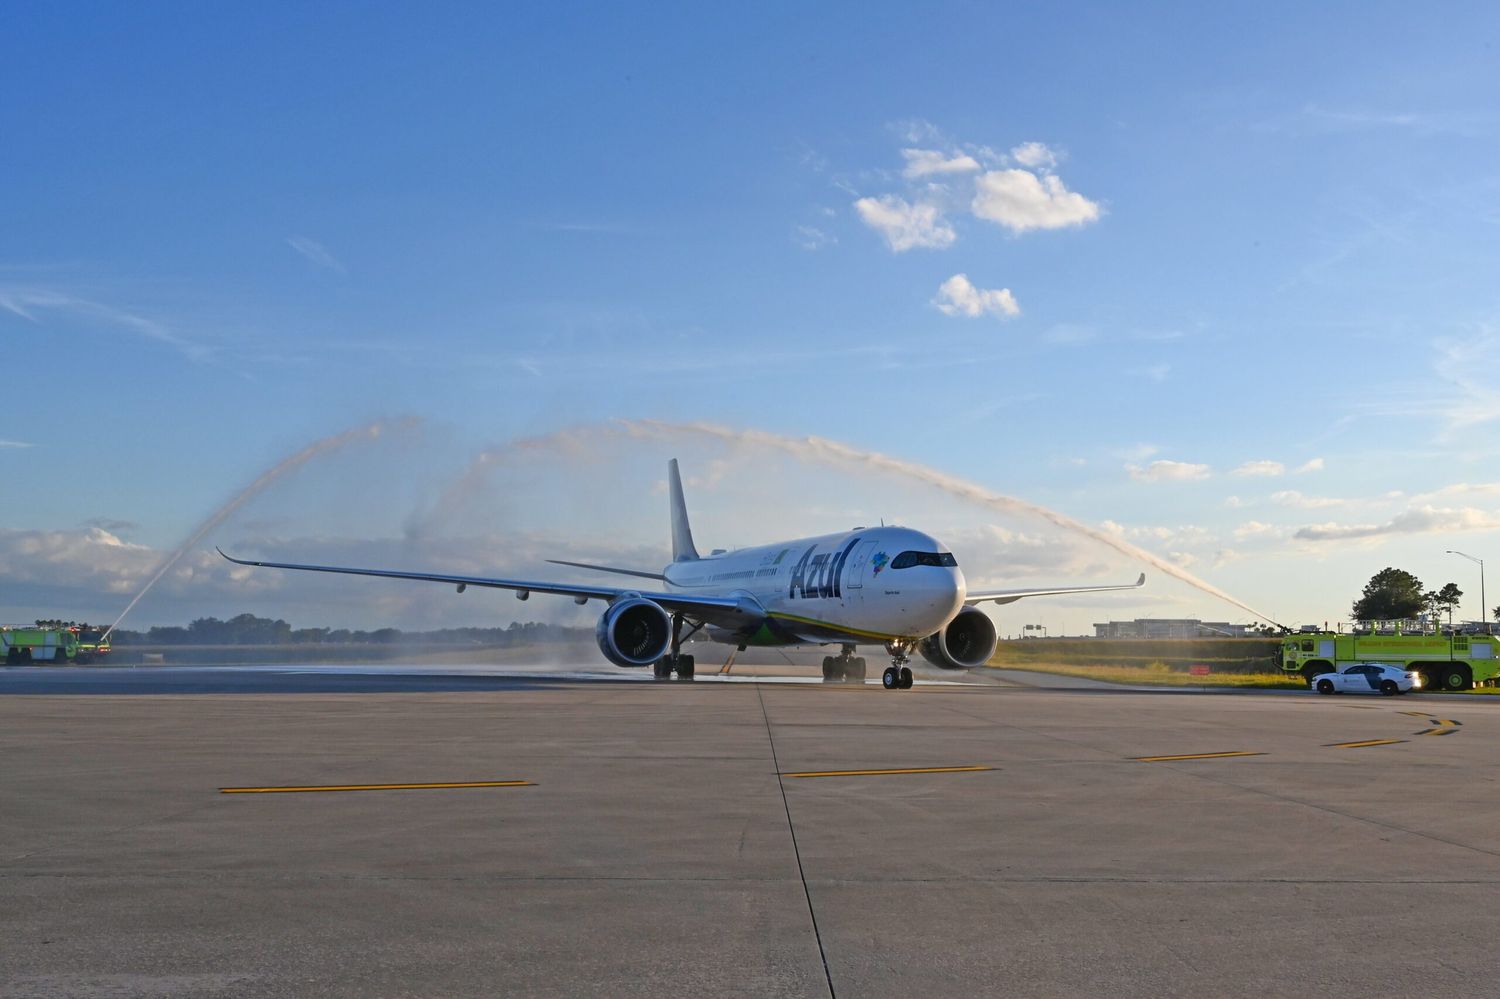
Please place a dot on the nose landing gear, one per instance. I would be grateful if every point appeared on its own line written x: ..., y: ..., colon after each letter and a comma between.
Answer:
x: 897, y: 675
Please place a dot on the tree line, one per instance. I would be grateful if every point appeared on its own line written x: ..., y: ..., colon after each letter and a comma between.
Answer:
x: 247, y: 629
x: 1395, y: 594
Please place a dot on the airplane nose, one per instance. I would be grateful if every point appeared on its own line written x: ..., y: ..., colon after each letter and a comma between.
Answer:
x: 944, y: 597
x: 956, y: 591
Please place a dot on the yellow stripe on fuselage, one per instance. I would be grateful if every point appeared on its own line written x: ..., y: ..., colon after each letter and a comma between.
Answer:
x: 842, y: 628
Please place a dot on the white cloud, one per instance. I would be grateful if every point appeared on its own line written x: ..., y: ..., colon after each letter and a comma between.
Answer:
x: 1415, y: 520
x: 1164, y: 470
x: 1034, y: 155
x: 1291, y: 497
x: 906, y: 225
x: 915, y: 130
x: 93, y: 573
x: 1234, y: 503
x: 1152, y: 372
x: 930, y: 162
x: 957, y: 296
x: 1138, y: 452
x: 1265, y: 468
x: 812, y: 238
x: 1070, y: 335
x: 1253, y: 528
x: 92, y: 558
x: 5, y: 444
x: 1018, y: 190
x: 1472, y: 399
x: 1311, y: 465
x: 316, y: 252
x: 30, y: 302
x: 1461, y: 489
x: 1021, y: 201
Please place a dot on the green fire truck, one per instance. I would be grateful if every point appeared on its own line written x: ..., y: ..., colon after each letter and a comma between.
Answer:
x: 1446, y: 662
x: 39, y: 644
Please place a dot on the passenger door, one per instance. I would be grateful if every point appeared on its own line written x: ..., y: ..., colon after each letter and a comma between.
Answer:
x: 857, y: 569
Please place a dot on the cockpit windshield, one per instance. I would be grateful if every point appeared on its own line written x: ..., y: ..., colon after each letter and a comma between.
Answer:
x: 908, y: 559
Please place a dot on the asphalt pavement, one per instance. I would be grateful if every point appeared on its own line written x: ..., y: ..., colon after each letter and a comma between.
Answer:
x: 749, y: 837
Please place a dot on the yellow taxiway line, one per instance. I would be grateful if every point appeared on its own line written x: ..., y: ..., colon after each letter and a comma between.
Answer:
x: 1362, y: 745
x: 874, y: 773
x: 376, y: 787
x: 1193, y: 756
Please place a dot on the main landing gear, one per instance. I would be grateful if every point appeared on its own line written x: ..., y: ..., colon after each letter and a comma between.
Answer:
x: 674, y: 661
x: 897, y: 675
x: 845, y: 667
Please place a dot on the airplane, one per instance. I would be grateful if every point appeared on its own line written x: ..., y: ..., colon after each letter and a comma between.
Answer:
x: 888, y: 586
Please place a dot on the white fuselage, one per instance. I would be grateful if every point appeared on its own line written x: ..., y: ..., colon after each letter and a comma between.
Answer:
x: 851, y: 587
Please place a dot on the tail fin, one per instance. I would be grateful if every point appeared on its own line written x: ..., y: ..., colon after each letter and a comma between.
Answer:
x: 682, y: 534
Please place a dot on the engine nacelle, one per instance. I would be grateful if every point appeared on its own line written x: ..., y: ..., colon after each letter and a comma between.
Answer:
x: 968, y: 641
x: 634, y: 632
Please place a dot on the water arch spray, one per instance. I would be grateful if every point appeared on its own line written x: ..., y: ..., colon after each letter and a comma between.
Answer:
x: 317, y: 448
x: 821, y: 451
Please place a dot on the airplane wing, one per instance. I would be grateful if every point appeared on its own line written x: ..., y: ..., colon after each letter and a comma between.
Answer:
x: 609, y: 568
x: 1011, y: 596
x: 728, y: 612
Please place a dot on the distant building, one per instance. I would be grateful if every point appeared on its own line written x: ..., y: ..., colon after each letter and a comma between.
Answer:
x: 1171, y: 627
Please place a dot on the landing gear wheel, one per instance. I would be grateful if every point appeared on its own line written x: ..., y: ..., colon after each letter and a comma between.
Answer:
x: 891, y: 678
x: 1325, y: 686
x: 854, y: 671
x: 828, y: 669
x: 662, y: 669
x: 906, y: 680
x: 684, y: 667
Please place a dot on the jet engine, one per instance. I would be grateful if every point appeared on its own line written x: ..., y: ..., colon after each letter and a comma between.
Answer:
x: 967, y: 641
x: 634, y: 632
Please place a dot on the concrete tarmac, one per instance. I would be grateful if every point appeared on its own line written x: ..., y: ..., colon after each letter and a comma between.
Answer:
x: 661, y: 845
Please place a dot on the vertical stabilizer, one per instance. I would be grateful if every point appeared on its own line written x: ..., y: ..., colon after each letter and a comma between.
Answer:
x: 682, y: 534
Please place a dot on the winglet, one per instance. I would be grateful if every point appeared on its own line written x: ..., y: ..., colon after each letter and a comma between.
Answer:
x: 682, y: 535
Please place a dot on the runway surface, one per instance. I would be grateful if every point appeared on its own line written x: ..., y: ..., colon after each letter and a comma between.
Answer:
x: 766, y: 838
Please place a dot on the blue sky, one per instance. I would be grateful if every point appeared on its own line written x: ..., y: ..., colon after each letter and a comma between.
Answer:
x: 1222, y: 281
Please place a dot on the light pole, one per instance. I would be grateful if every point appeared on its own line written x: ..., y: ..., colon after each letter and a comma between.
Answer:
x: 1484, y: 608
